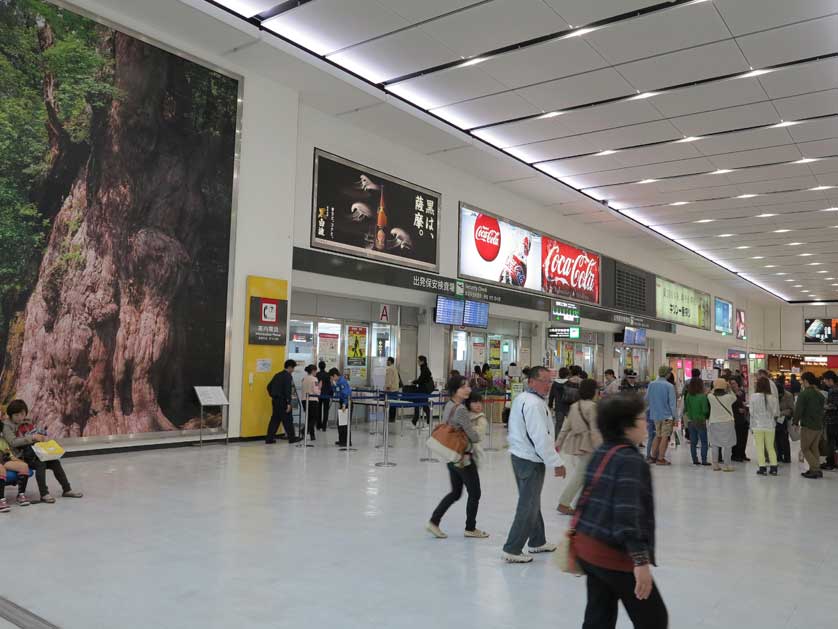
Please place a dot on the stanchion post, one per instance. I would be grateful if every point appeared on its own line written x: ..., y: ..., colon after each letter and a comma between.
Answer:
x: 201, y: 435
x: 386, y: 461
x: 430, y: 458
x: 305, y: 444
x: 491, y: 447
x: 348, y: 447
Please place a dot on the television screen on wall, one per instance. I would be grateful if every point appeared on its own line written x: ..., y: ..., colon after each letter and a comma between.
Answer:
x: 476, y: 314
x: 819, y: 330
x: 724, y: 316
x: 449, y: 311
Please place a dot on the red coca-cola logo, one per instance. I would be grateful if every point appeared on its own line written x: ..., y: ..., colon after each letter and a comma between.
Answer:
x: 487, y: 237
x: 569, y: 271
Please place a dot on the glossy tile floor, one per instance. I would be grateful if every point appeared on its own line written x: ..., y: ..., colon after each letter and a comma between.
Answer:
x: 276, y: 536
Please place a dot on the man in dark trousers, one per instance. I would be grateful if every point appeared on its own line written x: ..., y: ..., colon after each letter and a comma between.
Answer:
x: 280, y: 389
x: 325, y: 389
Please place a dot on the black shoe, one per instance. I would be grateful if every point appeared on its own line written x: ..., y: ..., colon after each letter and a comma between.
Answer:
x: 761, y: 471
x: 747, y: 460
x: 773, y: 470
x: 696, y: 463
x: 705, y: 463
x: 270, y: 441
x: 338, y: 443
x: 811, y: 474
x: 295, y: 440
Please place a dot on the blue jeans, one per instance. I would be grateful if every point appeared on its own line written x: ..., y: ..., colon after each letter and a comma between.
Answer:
x: 650, y: 437
x: 696, y: 433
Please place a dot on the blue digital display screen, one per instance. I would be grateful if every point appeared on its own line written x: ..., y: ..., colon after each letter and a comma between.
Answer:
x: 449, y: 311
x: 476, y: 314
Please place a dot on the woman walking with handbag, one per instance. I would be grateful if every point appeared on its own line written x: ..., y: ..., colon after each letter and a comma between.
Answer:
x: 577, y: 440
x: 613, y: 534
x: 464, y: 471
x: 722, y: 428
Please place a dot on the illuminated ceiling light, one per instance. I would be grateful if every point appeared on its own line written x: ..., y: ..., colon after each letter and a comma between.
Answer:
x: 764, y: 215
x: 830, y: 209
x: 549, y: 114
x: 726, y: 235
x: 473, y: 62
x: 643, y: 95
x: 797, y: 285
x: 705, y: 220
x: 794, y: 244
x: 781, y: 231
x: 743, y: 247
x: 806, y: 160
x: 781, y: 273
x: 834, y: 284
x: 806, y: 255
x: 647, y: 181
x: 722, y: 171
x: 815, y: 263
x: 299, y: 35
x: 604, y: 153
x: 805, y: 291
x: 770, y: 266
x: 753, y: 73
x: 680, y: 203
x: 691, y: 138
x: 747, y: 196
x: 579, y: 32
x: 818, y: 188
x: 823, y: 271
x: 757, y: 257
x: 784, y: 123
x: 829, y: 278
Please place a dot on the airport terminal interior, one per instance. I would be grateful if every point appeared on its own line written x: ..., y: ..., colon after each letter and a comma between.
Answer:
x: 419, y: 313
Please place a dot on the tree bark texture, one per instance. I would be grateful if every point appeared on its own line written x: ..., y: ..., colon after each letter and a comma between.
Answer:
x: 106, y: 330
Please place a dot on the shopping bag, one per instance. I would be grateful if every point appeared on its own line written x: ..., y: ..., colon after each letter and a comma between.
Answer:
x: 343, y: 416
x: 48, y: 450
x: 565, y: 558
x: 794, y: 432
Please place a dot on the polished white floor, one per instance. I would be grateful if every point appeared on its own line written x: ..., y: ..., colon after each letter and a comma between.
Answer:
x: 276, y: 536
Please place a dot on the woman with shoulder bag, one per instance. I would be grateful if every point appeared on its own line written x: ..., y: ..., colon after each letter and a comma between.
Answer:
x: 577, y: 440
x: 722, y: 427
x: 464, y: 471
x: 613, y: 533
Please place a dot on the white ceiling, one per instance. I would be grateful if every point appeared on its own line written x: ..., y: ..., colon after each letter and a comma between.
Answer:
x: 470, y: 64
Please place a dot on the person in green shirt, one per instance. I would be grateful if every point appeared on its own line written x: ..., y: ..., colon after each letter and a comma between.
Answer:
x: 808, y: 414
x: 696, y: 411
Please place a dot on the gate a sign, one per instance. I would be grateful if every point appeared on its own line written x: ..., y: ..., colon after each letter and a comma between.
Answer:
x: 384, y: 313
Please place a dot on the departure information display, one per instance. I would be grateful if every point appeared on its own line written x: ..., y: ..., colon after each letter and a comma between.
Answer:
x: 449, y: 311
x: 476, y: 314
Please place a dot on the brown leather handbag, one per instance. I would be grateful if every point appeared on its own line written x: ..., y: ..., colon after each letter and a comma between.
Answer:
x: 451, y: 437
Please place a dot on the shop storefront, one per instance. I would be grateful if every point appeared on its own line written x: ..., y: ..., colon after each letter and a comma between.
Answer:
x: 796, y: 364
x: 582, y: 347
x: 503, y: 343
x: 682, y: 367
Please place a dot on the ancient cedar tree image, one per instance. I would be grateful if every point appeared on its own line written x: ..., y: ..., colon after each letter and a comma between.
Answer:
x: 116, y: 179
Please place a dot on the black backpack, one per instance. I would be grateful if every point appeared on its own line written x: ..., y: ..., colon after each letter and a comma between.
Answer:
x: 570, y: 393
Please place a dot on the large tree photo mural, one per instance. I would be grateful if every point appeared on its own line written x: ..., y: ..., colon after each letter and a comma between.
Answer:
x: 116, y: 180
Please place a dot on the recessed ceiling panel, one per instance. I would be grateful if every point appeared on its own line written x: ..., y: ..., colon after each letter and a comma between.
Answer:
x: 802, y: 79
x: 798, y: 41
x: 727, y: 119
x: 425, y: 10
x: 610, y: 116
x: 808, y: 105
x: 447, y: 87
x: 486, y: 110
x: 719, y: 95
x: 748, y: 16
x: 743, y: 141
x: 578, y: 90
x: 580, y: 13
x: 545, y: 62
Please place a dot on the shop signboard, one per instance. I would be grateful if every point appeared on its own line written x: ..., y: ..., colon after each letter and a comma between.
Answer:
x: 494, y: 353
x: 356, y: 346
x: 367, y: 213
x: 565, y: 312
x: 724, y: 316
x: 741, y: 329
x: 498, y: 251
x: 681, y: 304
x: 564, y: 333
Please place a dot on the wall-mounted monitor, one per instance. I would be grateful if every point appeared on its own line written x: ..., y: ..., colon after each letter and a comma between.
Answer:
x: 819, y: 330
x: 476, y: 314
x: 449, y: 311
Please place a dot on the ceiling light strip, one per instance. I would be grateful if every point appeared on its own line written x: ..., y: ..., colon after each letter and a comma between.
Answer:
x: 543, y: 39
x: 631, y: 147
x: 279, y: 9
x: 655, y: 92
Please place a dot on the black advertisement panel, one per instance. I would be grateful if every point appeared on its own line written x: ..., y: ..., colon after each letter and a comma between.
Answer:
x: 366, y: 213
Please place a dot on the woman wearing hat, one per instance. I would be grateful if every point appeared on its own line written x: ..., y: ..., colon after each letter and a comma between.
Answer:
x: 720, y: 425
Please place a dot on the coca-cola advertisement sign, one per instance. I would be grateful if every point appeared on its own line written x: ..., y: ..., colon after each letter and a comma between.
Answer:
x: 501, y: 252
x: 569, y: 271
x: 495, y: 251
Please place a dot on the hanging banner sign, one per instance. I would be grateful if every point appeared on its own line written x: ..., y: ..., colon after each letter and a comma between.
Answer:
x: 364, y: 212
x: 356, y: 348
x: 494, y: 353
x: 681, y: 304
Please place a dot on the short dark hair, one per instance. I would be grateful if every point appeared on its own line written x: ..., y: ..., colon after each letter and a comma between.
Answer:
x: 809, y: 378
x: 15, y: 407
x: 454, y: 383
x: 290, y: 363
x: 321, y: 365
x: 829, y: 375
x: 609, y: 372
x: 588, y: 389
x: 564, y: 372
x: 391, y: 360
x: 762, y: 372
x: 695, y: 373
x: 473, y: 399
x: 310, y: 369
x: 618, y: 413
x: 334, y: 372
x: 423, y: 359
x: 477, y: 369
x: 763, y: 385
x: 575, y: 370
x: 535, y: 372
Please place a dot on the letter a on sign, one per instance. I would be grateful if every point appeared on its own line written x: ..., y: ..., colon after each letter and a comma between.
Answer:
x: 384, y: 315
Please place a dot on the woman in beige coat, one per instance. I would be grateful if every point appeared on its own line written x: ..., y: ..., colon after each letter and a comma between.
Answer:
x: 577, y: 440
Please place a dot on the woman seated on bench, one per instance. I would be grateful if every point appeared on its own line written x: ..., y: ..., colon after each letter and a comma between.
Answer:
x: 18, y: 431
x: 8, y: 461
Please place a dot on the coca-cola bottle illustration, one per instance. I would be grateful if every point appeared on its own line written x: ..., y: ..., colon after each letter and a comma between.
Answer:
x: 381, y: 224
x: 514, y: 270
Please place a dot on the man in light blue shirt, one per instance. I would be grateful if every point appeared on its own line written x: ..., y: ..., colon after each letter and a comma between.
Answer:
x: 660, y: 396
